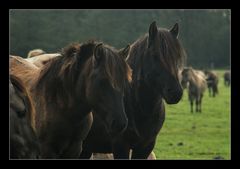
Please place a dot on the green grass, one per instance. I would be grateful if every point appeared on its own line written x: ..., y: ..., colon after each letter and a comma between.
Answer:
x: 203, y: 135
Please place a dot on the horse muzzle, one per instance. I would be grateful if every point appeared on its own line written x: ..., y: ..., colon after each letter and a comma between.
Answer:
x: 172, y: 96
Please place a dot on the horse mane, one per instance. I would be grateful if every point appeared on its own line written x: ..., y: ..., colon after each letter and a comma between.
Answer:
x: 19, y: 86
x: 57, y: 79
x: 24, y: 70
x: 116, y: 69
x: 172, y: 54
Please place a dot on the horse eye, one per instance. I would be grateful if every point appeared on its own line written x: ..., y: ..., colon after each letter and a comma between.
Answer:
x: 44, y: 62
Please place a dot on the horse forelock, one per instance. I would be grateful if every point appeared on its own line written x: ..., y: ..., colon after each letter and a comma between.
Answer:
x: 169, y: 49
x: 117, y: 70
x: 58, y: 77
x: 172, y: 54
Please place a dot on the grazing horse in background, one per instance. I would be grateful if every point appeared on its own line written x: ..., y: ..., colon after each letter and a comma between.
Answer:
x: 227, y: 78
x: 197, y: 86
x: 35, y: 52
x: 88, y: 76
x: 23, y: 140
x: 155, y: 59
x: 212, y: 82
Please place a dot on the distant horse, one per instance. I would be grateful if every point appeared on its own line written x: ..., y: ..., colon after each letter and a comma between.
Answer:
x: 35, y: 52
x: 212, y: 82
x: 197, y: 86
x: 227, y: 78
x: 23, y: 140
x: 155, y: 59
x: 88, y: 76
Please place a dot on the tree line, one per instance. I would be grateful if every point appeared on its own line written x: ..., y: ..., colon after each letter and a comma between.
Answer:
x: 205, y: 34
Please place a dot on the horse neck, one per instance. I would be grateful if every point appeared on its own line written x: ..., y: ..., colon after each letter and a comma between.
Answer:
x: 72, y: 102
x: 135, y: 59
x: 142, y: 95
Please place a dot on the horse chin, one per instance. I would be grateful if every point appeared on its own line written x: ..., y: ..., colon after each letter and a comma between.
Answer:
x: 172, y: 98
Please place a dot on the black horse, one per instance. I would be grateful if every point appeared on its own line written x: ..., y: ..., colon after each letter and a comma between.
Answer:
x: 155, y: 59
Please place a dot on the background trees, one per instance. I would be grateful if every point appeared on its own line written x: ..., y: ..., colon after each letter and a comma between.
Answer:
x: 205, y: 33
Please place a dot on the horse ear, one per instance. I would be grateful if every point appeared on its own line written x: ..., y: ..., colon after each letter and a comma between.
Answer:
x: 152, y: 33
x: 175, y: 30
x: 124, y: 52
x: 98, y: 52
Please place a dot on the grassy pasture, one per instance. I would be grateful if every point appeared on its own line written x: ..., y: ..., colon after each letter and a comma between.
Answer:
x: 203, y: 135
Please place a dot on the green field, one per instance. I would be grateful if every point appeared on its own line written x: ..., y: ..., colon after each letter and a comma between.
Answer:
x: 203, y: 135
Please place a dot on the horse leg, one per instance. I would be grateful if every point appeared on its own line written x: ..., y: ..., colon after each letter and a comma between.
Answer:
x: 191, y: 104
x: 48, y: 153
x: 142, y: 152
x: 200, y: 104
x: 121, y: 149
x: 214, y: 91
x: 121, y: 152
x: 196, y: 102
x: 85, y: 155
x: 73, y: 151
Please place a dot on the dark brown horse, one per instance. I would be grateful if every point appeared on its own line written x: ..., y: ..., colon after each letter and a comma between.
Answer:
x: 23, y: 140
x: 86, y: 77
x: 212, y: 82
x: 155, y: 59
x: 227, y: 78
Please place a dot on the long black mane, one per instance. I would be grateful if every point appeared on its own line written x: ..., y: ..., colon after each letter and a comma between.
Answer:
x: 172, y: 54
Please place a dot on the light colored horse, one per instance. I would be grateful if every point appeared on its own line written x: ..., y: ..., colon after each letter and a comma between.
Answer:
x: 197, y: 85
x: 41, y: 60
x: 28, y: 68
x: 35, y: 52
